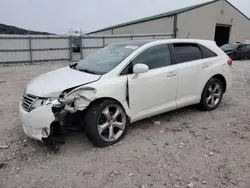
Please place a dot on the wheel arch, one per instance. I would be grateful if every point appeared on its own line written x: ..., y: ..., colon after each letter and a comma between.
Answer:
x: 222, y: 79
x: 124, y: 105
x: 219, y: 77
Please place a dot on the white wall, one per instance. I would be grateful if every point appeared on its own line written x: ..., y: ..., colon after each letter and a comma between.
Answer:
x: 201, y: 22
x: 14, y: 56
x: 161, y: 25
x: 14, y: 43
x: 45, y: 48
x: 240, y: 25
x: 50, y: 43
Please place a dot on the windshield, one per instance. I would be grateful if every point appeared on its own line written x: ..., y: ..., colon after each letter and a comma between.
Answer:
x: 230, y: 46
x: 105, y: 59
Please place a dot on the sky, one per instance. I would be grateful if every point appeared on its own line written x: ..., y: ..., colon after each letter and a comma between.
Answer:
x: 61, y: 16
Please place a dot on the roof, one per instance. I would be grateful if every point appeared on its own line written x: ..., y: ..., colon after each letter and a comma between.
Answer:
x: 238, y: 10
x: 137, y: 42
x: 159, y: 41
x: 166, y: 14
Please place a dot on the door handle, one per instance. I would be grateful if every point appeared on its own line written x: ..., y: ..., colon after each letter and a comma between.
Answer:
x: 172, y: 73
x: 205, y: 65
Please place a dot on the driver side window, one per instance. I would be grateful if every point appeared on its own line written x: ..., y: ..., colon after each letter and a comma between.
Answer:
x: 154, y: 57
x: 241, y: 47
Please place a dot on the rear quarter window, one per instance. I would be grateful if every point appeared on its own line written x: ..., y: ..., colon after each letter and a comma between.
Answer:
x: 207, y: 52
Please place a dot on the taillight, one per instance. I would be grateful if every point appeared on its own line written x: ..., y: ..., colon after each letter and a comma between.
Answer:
x: 230, y: 62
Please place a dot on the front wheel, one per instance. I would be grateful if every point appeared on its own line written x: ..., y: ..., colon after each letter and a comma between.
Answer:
x: 211, y: 95
x: 106, y: 123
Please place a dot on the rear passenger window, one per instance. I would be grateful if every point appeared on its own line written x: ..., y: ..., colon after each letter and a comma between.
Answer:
x: 185, y: 52
x: 207, y: 53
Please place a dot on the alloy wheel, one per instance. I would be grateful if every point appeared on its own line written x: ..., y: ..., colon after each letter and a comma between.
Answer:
x: 214, y: 95
x: 111, y: 123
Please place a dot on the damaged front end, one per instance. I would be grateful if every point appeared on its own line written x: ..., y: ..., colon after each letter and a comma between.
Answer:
x: 49, y: 119
x: 77, y: 99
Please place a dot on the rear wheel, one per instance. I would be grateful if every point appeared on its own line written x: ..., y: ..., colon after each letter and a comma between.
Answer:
x: 106, y: 123
x: 212, y: 94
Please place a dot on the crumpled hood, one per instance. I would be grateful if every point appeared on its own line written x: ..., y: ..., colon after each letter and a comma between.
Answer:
x: 53, y: 83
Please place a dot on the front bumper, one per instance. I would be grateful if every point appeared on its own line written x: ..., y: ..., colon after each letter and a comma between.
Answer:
x: 37, y: 121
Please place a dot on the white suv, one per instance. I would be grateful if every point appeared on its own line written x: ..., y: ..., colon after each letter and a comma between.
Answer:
x: 123, y: 83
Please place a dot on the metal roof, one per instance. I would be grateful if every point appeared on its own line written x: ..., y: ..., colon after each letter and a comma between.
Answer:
x: 238, y: 10
x: 166, y: 14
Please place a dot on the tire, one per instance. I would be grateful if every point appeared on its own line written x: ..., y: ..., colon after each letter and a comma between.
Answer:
x: 208, y: 96
x: 99, y: 125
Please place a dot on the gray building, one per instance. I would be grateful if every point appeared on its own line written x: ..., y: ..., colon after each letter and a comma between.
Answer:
x: 217, y: 20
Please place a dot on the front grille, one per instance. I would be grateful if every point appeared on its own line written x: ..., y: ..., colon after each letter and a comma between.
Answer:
x: 27, y: 101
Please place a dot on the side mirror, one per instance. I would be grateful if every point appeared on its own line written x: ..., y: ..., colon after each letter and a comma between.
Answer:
x: 140, y: 68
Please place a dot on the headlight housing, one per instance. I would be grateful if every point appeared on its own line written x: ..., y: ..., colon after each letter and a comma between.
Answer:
x: 85, y: 92
x: 42, y: 102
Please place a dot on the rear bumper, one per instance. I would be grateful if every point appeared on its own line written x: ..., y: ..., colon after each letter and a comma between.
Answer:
x: 228, y: 76
x: 37, y: 123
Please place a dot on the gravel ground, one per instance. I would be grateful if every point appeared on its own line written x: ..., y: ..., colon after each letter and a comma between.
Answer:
x: 188, y: 148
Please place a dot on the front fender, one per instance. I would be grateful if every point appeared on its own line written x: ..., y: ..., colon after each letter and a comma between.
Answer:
x: 111, y: 88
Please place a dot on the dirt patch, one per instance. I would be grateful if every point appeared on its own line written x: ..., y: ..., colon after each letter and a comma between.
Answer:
x: 181, y: 148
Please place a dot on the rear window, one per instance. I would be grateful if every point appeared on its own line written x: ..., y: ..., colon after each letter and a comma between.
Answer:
x: 185, y: 52
x: 230, y: 46
x: 207, y: 52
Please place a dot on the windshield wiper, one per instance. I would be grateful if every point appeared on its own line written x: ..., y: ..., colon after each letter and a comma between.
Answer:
x: 73, y: 65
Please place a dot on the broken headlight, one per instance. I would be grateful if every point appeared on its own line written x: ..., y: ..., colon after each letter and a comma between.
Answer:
x: 42, y: 102
x: 66, y: 99
x: 79, y: 93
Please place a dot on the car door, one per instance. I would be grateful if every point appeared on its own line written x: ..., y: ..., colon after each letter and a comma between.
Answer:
x: 248, y: 51
x: 153, y: 92
x: 192, y: 70
x: 241, y: 52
